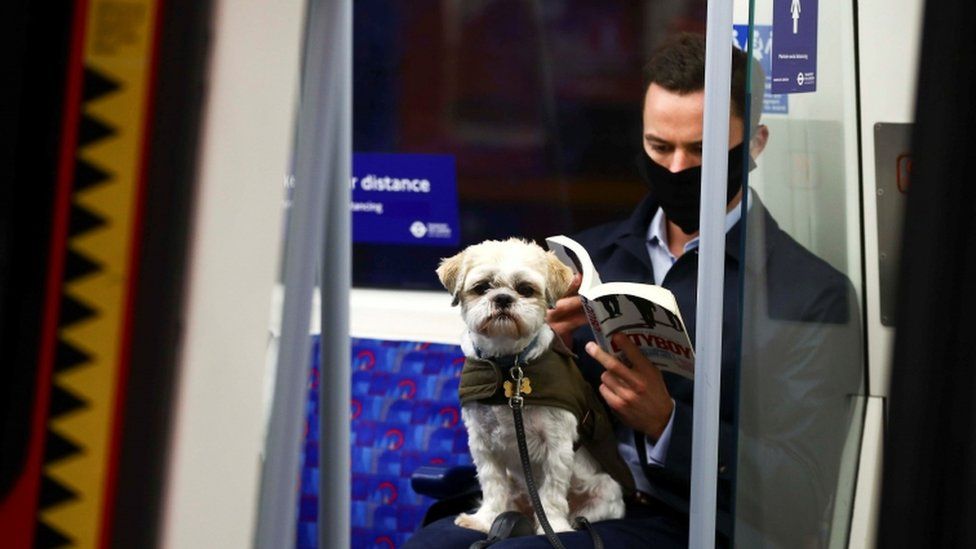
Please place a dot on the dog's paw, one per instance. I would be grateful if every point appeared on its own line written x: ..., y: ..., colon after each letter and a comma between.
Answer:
x: 474, y: 522
x: 558, y: 525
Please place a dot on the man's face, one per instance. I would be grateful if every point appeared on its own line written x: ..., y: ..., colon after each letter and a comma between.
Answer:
x: 673, y: 128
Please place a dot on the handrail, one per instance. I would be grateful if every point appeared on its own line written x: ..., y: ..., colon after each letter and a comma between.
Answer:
x: 711, y: 276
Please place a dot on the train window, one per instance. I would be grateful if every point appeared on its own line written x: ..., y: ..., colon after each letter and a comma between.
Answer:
x: 535, y: 106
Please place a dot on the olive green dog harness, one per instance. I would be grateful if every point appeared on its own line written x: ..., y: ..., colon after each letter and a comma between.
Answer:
x: 554, y: 380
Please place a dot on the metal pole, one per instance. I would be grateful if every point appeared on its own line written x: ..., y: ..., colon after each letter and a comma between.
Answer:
x: 711, y: 275
x: 321, y: 162
x: 335, y: 389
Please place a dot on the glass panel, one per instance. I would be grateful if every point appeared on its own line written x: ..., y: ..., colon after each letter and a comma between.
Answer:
x: 802, y: 360
x: 537, y: 102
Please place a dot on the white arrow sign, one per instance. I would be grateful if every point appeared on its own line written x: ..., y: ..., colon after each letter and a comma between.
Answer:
x: 795, y: 11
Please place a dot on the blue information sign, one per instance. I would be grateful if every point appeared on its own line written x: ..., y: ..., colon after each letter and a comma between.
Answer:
x: 762, y: 50
x: 795, y: 49
x: 404, y: 199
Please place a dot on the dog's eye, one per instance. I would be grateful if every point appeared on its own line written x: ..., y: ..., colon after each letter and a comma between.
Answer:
x: 526, y: 290
x: 480, y: 288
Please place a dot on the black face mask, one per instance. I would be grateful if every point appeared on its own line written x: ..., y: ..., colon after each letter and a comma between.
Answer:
x: 679, y: 193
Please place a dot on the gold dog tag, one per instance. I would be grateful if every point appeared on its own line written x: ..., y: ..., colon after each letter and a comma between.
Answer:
x: 526, y: 387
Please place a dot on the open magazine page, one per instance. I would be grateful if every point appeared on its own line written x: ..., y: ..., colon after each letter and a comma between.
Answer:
x: 575, y: 257
x: 649, y: 319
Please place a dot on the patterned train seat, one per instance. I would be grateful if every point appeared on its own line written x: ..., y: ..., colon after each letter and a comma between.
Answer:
x: 404, y: 415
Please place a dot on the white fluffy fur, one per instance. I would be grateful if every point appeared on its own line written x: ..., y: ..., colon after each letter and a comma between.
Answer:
x: 570, y: 483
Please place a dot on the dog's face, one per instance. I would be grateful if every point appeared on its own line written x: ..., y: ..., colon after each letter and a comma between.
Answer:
x: 504, y: 287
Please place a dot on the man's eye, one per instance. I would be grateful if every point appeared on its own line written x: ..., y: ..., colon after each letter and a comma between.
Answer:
x: 480, y: 288
x: 525, y: 290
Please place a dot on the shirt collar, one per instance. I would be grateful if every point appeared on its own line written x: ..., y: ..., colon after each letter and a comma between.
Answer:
x: 657, y: 234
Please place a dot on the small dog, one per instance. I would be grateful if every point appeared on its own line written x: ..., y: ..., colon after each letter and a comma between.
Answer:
x: 504, y: 289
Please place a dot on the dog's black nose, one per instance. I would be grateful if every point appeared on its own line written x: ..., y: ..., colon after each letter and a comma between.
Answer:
x: 503, y: 300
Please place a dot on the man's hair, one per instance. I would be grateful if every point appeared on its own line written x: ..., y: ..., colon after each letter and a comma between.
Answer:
x: 678, y: 65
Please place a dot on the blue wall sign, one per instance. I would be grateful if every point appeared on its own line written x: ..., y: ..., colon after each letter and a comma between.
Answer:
x: 795, y: 49
x: 404, y: 199
x: 762, y: 50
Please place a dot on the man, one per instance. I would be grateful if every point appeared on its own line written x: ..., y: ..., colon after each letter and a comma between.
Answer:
x: 796, y: 332
x: 798, y: 337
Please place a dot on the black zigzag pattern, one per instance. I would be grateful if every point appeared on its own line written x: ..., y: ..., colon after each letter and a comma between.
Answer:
x: 53, y: 492
x: 77, y: 265
x: 83, y: 220
x: 91, y: 130
x: 46, y: 537
x: 56, y: 447
x: 73, y: 311
x: 63, y: 401
x: 88, y: 175
x: 96, y: 85
x: 67, y: 356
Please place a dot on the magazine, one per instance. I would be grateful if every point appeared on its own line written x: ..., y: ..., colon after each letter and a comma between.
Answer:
x: 648, y: 314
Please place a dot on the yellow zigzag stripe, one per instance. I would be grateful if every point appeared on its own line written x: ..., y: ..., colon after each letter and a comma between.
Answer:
x: 118, y: 45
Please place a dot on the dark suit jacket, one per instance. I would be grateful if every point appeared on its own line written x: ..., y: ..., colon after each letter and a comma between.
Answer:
x: 798, y: 333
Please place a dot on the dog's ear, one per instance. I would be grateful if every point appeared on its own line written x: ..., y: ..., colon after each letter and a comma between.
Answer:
x: 451, y: 276
x: 558, y: 279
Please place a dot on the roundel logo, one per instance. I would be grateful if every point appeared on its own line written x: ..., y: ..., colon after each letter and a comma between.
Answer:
x: 387, y: 492
x: 365, y: 359
x: 409, y: 388
x: 418, y: 229
x: 799, y: 78
x: 357, y: 408
x: 384, y: 541
x: 393, y: 439
x: 449, y: 416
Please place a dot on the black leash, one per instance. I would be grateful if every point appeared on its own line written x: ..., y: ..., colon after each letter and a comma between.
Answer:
x: 515, y: 402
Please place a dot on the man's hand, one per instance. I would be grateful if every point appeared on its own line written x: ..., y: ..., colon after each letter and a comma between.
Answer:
x: 638, y: 394
x: 568, y: 313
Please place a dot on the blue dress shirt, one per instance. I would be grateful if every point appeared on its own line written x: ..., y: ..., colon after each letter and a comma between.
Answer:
x: 661, y: 259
